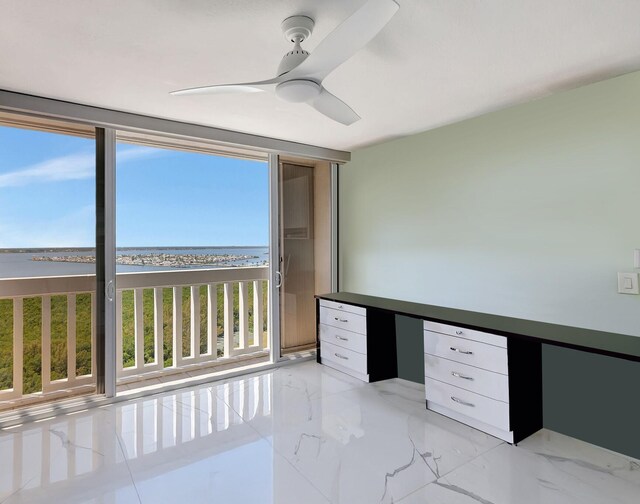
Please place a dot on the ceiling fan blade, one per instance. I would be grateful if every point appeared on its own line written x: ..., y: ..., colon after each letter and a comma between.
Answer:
x: 334, y: 108
x: 343, y: 42
x: 245, y: 87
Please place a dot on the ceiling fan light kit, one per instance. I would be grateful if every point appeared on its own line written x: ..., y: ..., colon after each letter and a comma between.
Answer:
x: 298, y: 90
x: 300, y: 73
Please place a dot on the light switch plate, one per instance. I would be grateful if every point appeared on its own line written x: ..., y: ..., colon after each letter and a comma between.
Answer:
x: 628, y: 283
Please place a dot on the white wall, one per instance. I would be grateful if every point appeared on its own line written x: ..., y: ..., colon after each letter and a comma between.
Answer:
x: 527, y: 212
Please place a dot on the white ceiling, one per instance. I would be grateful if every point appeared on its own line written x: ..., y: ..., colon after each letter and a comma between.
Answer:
x: 436, y: 62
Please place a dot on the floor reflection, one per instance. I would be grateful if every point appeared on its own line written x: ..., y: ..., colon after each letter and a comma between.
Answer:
x: 100, y: 450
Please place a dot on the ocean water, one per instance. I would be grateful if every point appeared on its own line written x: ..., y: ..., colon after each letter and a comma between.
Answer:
x: 20, y: 264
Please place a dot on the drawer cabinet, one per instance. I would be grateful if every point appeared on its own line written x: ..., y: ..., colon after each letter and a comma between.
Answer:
x: 467, y: 377
x: 344, y: 340
x: 489, y: 379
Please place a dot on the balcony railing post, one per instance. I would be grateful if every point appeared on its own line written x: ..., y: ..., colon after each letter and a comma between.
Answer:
x: 257, y: 313
x: 18, y: 345
x: 119, y: 350
x: 177, y: 326
x: 228, y: 319
x: 138, y: 317
x: 243, y: 315
x: 195, y: 322
x: 45, y: 331
x: 158, y: 327
x: 93, y: 334
x: 71, y: 337
x: 212, y: 320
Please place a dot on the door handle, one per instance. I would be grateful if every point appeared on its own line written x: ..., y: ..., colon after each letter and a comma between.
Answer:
x: 110, y: 290
x: 279, y: 284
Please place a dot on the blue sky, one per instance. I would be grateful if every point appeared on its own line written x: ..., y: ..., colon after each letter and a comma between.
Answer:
x: 164, y: 197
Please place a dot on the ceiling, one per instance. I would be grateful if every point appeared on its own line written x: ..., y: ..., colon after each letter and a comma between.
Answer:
x: 436, y: 62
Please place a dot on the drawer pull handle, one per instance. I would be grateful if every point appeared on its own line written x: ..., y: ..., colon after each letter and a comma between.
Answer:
x: 341, y: 319
x: 464, y: 403
x: 341, y: 356
x: 341, y: 338
x: 458, y: 375
x: 466, y: 352
x: 459, y: 333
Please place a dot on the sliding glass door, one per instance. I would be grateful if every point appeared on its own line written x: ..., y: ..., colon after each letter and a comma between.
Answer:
x: 47, y: 261
x: 129, y: 257
x: 192, y: 258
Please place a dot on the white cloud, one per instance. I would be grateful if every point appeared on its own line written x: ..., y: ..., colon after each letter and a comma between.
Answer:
x: 71, y: 167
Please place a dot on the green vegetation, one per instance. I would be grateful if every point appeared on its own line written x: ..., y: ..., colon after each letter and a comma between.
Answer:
x: 32, y: 320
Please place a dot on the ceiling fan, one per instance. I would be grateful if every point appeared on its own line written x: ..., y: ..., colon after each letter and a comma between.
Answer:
x: 300, y: 74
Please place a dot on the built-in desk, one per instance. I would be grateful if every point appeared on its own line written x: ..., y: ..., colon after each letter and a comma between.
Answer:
x: 523, y: 344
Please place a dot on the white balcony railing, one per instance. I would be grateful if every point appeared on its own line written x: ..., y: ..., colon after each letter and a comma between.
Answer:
x: 165, y: 321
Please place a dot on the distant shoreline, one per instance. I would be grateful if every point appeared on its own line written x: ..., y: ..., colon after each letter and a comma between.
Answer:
x: 91, y: 249
x: 26, y: 262
x: 164, y: 260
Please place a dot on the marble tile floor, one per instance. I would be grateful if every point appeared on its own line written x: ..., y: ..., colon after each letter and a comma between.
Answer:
x: 300, y: 434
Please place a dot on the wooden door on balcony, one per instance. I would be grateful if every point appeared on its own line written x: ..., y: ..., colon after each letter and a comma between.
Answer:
x: 305, y: 249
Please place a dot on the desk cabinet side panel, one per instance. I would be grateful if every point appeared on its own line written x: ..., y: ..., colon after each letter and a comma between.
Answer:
x: 382, y: 357
x: 525, y: 387
x: 318, y: 359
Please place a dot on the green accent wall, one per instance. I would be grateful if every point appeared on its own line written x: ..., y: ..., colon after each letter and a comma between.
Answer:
x: 527, y: 212
x: 410, y: 348
x: 592, y: 397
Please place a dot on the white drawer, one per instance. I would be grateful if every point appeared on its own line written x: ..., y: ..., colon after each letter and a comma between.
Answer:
x: 484, y: 409
x: 480, y: 381
x: 345, y: 339
x: 343, y: 306
x: 461, y: 332
x: 466, y: 351
x: 343, y: 320
x: 345, y: 358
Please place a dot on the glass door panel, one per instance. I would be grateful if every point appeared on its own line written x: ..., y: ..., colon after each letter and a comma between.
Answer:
x: 47, y: 260
x: 305, y: 250
x: 191, y: 258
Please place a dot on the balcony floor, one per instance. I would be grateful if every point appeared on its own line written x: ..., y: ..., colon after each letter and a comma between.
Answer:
x: 300, y: 433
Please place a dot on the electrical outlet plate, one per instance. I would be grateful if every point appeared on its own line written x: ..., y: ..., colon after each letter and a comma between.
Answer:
x: 636, y: 258
x: 628, y: 283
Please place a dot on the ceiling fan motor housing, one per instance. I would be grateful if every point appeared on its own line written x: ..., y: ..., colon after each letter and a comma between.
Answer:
x: 295, y: 29
x: 292, y: 59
